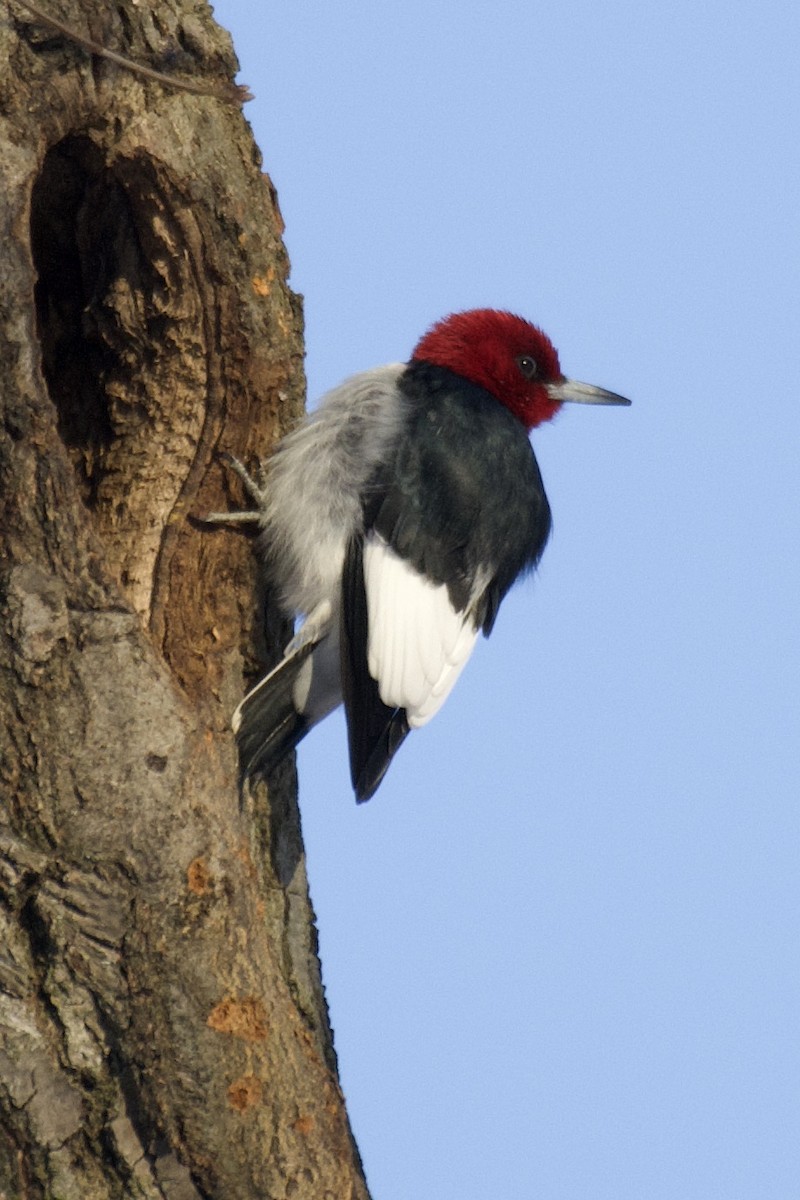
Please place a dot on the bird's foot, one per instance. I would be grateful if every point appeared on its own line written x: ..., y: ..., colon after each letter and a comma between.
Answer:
x: 256, y: 491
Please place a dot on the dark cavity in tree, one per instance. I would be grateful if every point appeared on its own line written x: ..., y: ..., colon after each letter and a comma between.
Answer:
x: 86, y: 252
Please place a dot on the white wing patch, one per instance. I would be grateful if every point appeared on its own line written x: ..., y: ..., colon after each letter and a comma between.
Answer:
x: 418, y: 644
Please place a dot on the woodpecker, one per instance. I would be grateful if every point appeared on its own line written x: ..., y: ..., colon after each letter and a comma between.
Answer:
x: 393, y: 521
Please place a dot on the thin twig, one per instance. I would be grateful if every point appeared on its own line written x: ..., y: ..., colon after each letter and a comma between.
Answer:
x: 233, y: 93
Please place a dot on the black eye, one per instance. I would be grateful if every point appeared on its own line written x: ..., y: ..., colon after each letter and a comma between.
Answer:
x: 527, y: 366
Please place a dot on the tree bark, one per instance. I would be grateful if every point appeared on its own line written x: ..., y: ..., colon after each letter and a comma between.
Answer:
x: 163, y: 1029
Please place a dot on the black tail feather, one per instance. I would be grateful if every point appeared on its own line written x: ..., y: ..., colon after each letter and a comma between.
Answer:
x: 266, y: 723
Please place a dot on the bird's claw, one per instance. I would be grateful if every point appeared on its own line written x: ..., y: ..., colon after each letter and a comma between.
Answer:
x: 256, y: 491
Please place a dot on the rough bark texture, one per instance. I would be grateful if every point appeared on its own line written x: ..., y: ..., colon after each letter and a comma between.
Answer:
x: 163, y: 1031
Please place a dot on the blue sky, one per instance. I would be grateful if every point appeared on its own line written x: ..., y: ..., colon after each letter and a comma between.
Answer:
x: 561, y: 943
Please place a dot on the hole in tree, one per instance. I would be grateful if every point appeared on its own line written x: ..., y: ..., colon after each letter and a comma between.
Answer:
x: 83, y: 238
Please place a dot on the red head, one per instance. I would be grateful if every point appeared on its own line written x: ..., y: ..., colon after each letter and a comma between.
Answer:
x: 503, y: 353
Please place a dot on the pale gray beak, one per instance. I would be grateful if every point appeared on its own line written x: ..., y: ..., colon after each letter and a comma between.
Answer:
x: 582, y: 393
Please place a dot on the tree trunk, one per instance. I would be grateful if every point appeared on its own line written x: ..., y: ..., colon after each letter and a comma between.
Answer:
x: 163, y: 1030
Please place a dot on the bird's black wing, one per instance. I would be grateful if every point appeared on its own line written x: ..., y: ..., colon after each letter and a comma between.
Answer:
x: 461, y: 503
x: 463, y: 500
x: 375, y: 731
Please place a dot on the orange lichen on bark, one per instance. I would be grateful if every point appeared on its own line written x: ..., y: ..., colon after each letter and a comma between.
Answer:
x: 198, y: 877
x: 246, y: 858
x: 245, y: 1092
x: 244, y: 1018
x: 262, y: 284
